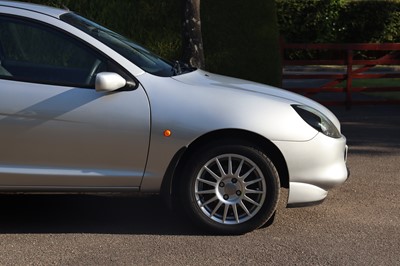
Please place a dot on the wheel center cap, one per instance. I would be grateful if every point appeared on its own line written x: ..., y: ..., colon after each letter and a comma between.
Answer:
x: 230, y: 189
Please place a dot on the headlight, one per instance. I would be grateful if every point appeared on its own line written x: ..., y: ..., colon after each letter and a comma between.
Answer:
x: 317, y: 120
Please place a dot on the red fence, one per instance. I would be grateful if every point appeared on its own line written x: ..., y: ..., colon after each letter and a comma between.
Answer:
x: 354, y: 68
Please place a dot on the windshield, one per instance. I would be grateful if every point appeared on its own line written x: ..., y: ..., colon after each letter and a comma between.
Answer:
x: 138, y: 55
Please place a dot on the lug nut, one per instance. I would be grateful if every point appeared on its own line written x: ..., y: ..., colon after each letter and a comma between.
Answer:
x: 238, y: 192
x: 222, y: 184
x: 234, y: 180
x: 226, y: 197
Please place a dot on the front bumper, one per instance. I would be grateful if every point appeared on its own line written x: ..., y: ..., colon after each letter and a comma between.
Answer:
x: 314, y: 167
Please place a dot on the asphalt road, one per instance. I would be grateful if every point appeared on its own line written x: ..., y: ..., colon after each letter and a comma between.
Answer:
x: 359, y: 223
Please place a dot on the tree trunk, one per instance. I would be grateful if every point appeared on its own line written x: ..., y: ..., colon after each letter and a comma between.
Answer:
x: 193, y: 53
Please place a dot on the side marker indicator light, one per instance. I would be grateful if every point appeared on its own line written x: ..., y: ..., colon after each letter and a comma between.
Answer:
x: 167, y: 133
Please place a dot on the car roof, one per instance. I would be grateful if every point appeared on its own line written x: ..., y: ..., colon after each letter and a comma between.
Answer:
x: 50, y: 11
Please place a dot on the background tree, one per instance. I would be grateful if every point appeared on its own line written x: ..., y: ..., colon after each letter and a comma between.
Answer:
x: 192, y: 43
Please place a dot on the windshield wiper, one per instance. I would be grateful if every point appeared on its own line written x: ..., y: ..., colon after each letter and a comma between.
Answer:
x: 177, y: 68
x: 180, y: 68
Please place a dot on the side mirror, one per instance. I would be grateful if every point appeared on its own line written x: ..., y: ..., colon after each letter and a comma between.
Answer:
x: 108, y: 81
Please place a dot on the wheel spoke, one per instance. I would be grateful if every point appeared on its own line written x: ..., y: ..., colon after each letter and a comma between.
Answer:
x: 207, y: 182
x: 212, y: 173
x: 230, y: 171
x: 221, y: 169
x: 216, y: 209
x: 225, y: 213
x: 209, y: 201
x: 235, y: 212
x: 244, y: 208
x: 251, y: 201
x: 210, y: 191
x: 243, y: 177
x: 252, y: 182
x: 252, y: 191
x: 239, y: 169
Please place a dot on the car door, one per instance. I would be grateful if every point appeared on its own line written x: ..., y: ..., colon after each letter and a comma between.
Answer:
x: 56, y: 131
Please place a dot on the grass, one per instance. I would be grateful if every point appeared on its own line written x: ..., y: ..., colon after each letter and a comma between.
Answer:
x: 376, y: 82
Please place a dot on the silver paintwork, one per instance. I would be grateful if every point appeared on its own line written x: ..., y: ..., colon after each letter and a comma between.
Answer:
x: 58, y: 138
x: 250, y: 107
x: 61, y: 136
x: 19, y: 6
x: 107, y: 82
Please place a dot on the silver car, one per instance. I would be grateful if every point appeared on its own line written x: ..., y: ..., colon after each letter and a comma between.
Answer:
x: 84, y: 109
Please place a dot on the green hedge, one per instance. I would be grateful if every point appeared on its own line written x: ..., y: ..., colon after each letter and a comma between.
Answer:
x: 240, y: 39
x: 372, y: 21
x: 308, y: 21
x: 339, y: 21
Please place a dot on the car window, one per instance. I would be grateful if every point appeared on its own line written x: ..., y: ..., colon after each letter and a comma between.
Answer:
x: 34, y: 52
x: 135, y: 53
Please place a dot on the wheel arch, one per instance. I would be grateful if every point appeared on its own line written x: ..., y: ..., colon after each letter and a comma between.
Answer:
x: 176, y: 166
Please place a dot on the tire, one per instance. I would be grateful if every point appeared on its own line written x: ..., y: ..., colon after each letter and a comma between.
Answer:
x: 230, y: 189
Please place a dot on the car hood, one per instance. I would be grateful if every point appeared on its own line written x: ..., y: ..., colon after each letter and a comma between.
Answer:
x: 203, y: 78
